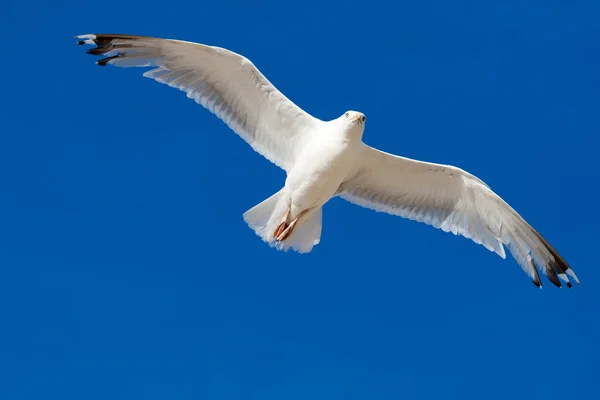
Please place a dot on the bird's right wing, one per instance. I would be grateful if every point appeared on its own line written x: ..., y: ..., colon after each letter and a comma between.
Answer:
x: 224, y: 82
x: 455, y: 201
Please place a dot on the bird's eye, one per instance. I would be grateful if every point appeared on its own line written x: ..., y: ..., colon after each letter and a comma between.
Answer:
x: 364, y: 118
x: 347, y: 114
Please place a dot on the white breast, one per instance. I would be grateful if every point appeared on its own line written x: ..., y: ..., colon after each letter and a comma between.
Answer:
x: 320, y: 169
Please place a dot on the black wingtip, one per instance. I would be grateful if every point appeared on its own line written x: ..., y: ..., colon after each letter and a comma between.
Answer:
x: 97, y: 51
x: 106, y: 60
x: 81, y: 42
x: 569, y: 285
x: 537, y: 283
x: 558, y: 264
x: 555, y: 282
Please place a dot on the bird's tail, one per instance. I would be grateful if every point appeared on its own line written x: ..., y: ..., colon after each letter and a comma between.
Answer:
x: 266, y: 216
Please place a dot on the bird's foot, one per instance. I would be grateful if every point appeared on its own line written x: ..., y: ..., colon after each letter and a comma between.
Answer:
x: 283, y: 224
x: 280, y: 228
x: 285, y: 233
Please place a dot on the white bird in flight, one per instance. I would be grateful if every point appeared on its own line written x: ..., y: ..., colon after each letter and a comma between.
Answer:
x: 324, y: 159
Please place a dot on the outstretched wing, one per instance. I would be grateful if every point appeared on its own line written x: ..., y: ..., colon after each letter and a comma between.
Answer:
x: 455, y: 201
x: 224, y: 82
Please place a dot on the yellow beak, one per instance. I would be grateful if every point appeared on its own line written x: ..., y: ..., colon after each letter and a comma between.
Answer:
x: 356, y: 117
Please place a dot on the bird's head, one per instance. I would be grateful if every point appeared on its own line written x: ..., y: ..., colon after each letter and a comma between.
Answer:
x: 355, y: 117
x: 354, y: 120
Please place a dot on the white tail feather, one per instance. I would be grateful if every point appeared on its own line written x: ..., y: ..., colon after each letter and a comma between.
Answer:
x: 307, y: 233
x: 264, y: 217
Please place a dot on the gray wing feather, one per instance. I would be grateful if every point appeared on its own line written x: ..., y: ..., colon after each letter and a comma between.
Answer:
x: 225, y: 83
x: 453, y: 200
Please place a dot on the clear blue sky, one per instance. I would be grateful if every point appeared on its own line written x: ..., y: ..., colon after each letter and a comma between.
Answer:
x: 127, y: 272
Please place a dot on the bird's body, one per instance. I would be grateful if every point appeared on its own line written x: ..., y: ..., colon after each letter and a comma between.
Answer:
x: 327, y: 159
x: 323, y: 165
x: 292, y: 219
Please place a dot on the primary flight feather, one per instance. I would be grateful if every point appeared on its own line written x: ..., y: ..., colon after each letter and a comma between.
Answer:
x: 324, y: 159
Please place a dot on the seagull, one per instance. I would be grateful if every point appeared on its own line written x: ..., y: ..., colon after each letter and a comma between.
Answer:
x: 326, y: 159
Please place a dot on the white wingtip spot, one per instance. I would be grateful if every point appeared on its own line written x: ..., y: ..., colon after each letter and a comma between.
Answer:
x: 86, y: 39
x: 572, y: 275
x: 564, y: 278
x: 86, y: 36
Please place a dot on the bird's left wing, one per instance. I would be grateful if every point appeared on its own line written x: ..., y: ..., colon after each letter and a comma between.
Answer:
x: 222, y: 81
x: 455, y: 201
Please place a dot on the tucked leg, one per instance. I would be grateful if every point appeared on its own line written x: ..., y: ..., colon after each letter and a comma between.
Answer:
x: 285, y: 233
x: 283, y: 224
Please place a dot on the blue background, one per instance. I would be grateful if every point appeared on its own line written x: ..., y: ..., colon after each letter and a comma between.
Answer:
x: 127, y: 272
